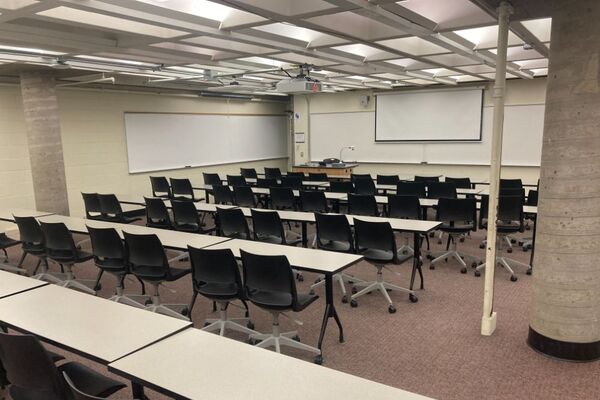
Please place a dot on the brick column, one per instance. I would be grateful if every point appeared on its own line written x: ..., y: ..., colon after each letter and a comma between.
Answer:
x: 45, y: 144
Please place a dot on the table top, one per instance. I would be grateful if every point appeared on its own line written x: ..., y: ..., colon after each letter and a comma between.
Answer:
x: 6, y: 214
x: 11, y: 283
x: 169, y: 238
x: 198, y: 365
x: 314, y: 260
x: 97, y: 328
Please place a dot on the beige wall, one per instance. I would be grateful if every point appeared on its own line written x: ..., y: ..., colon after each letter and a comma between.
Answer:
x: 94, y: 145
x: 519, y: 92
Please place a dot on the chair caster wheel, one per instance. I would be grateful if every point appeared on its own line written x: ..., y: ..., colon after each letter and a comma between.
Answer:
x: 98, y: 287
x: 432, y: 266
x: 439, y: 242
x: 529, y: 271
x: 509, y: 250
x: 311, y: 292
x: 431, y: 234
x: 206, y: 324
x: 300, y: 278
x: 392, y: 309
x: 317, y: 280
x: 473, y: 265
x: 147, y: 302
x: 482, y: 246
x: 319, y: 360
x: 462, y: 240
x: 296, y: 338
x: 253, y: 342
x: 477, y: 273
x: 250, y: 325
x: 344, y: 299
x: 354, y: 290
x: 463, y: 270
x: 513, y: 241
x: 413, y: 298
x: 429, y: 257
x: 351, y: 282
x: 513, y: 278
x: 353, y: 303
x: 185, y: 312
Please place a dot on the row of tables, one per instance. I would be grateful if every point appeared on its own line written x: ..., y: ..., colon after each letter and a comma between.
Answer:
x: 165, y: 353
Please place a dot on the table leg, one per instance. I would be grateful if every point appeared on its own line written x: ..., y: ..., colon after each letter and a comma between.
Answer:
x: 330, y: 312
x: 138, y: 391
x: 416, y: 266
x: 304, y: 234
x: 206, y: 192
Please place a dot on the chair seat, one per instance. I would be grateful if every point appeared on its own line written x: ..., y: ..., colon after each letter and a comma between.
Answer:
x: 456, y: 228
x: 89, y: 381
x: 272, y: 300
x: 121, y: 219
x: 185, y: 198
x: 5, y: 241
x: 191, y: 228
x: 215, y: 290
x: 375, y: 255
x: 111, y: 264
x: 176, y: 273
x: 304, y: 300
x: 36, y: 249
x: 66, y: 256
x: 269, y: 239
x: 333, y: 245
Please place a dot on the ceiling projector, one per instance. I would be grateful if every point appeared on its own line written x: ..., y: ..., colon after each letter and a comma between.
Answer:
x: 298, y: 85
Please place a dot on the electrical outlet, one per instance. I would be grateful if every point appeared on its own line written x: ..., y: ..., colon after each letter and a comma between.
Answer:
x: 301, y: 154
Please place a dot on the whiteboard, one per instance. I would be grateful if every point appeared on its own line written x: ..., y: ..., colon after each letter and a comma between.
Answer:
x: 165, y: 141
x: 430, y: 115
x: 522, y: 144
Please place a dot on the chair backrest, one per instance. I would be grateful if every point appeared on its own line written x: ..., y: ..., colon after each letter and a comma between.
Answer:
x: 232, y: 223
x: 511, y: 183
x: 362, y: 204
x: 388, y: 179
x: 181, y: 188
x: 333, y: 228
x: 267, y: 226
x: 109, y: 204
x: 341, y: 186
x: 375, y: 236
x: 30, y: 369
x: 355, y: 177
x: 91, y: 202
x: 405, y: 207
x: 364, y: 186
x: 58, y: 241
x: 427, y: 179
x: 266, y: 182
x: 160, y: 186
x: 184, y: 213
x: 458, y: 211
x: 243, y: 196
x: 157, y: 215
x: 513, y: 191
x: 411, y: 189
x: 441, y: 190
x: 29, y: 230
x: 318, y: 176
x: 459, y: 183
x: 106, y: 244
x: 214, y: 266
x: 248, y: 173
x: 296, y: 174
x: 510, y: 209
x: 211, y: 179
x: 532, y: 198
x: 294, y: 182
x: 282, y: 198
x: 313, y: 201
x: 77, y: 394
x: 272, y: 173
x: 222, y: 194
x: 146, y: 256
x: 236, y: 180
x: 269, y: 274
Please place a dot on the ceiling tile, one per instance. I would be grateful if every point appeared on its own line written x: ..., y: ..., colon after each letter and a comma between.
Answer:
x: 452, y: 60
x: 229, y: 45
x: 540, y: 28
x: 356, y: 25
x: 486, y: 37
x: 414, y: 46
x: 449, y: 14
x: 368, y: 52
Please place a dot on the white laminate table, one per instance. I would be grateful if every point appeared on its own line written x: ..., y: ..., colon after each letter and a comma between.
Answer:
x: 198, y: 365
x: 94, y: 327
x: 11, y: 284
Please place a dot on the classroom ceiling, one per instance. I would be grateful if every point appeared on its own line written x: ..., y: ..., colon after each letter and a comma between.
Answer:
x: 241, y: 46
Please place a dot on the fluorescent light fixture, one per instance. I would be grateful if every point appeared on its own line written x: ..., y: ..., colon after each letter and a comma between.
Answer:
x: 116, y: 61
x: 187, y: 69
x: 30, y: 50
x: 262, y: 60
x: 291, y: 31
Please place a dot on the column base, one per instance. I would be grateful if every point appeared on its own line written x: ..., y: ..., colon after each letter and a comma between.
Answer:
x: 567, y: 351
x: 488, y: 325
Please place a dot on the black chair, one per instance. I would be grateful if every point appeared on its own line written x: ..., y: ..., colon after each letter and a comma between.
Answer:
x: 216, y: 276
x: 34, y: 376
x: 269, y: 284
x: 236, y: 180
x: 405, y: 207
x: 296, y: 175
x: 77, y: 394
x: 411, y: 189
x: 458, y: 217
x: 5, y: 243
x: 318, y: 177
x: 186, y: 218
x: 222, y: 194
x: 112, y: 211
x: 32, y: 243
x: 282, y: 198
x: 460, y: 183
x: 61, y: 248
x: 181, y: 189
x: 355, y: 177
x: 91, y: 203
x: 157, y: 215
x: 511, y: 183
x: 248, y: 173
x: 267, y: 227
x: 376, y: 242
x: 266, y: 183
x: 313, y: 201
x: 294, y: 182
x: 272, y: 173
x: 232, y: 223
x: 148, y: 261
x: 244, y: 196
x: 510, y: 220
x: 341, y: 186
x: 109, y: 256
x: 334, y: 234
x: 211, y: 179
x: 441, y: 190
x: 532, y: 200
x: 427, y: 179
x: 160, y: 187
x: 388, y: 179
x: 365, y: 187
x: 362, y: 204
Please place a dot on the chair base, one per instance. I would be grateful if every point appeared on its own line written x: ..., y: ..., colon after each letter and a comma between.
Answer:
x: 508, y: 264
x: 458, y: 257
x: 278, y: 339
x: 11, y: 268
x: 83, y: 285
x: 341, y: 278
x: 167, y: 309
x: 129, y: 300
x: 383, y: 287
x: 225, y: 323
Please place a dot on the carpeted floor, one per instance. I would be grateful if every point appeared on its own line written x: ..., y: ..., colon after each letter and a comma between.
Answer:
x: 432, y: 347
